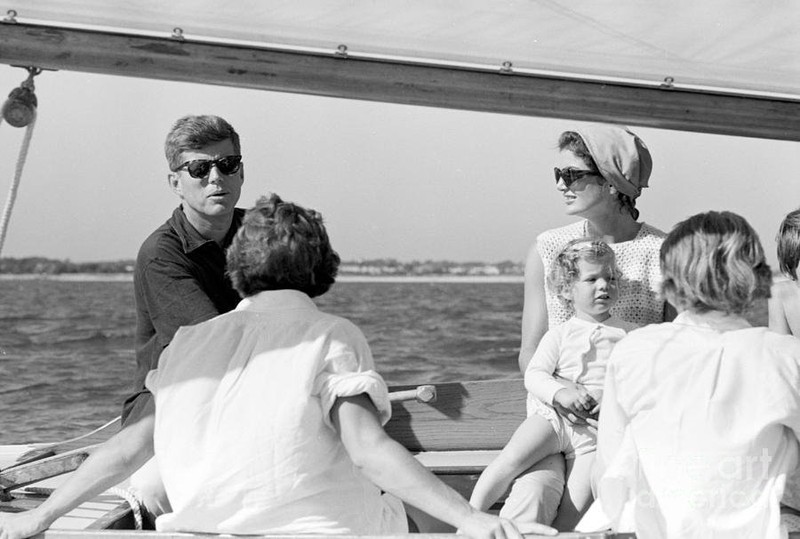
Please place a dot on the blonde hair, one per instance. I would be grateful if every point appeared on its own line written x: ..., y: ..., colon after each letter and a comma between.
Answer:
x: 564, y: 269
x: 714, y: 261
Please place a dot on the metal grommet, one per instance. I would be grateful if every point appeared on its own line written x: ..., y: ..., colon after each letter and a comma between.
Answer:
x: 177, y: 33
x: 11, y: 16
x: 507, y: 67
x: 341, y: 51
x: 669, y: 82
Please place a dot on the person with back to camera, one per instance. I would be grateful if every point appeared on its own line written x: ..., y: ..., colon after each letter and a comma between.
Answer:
x: 701, y: 416
x: 601, y: 172
x: 584, y: 274
x: 268, y: 419
x: 784, y: 303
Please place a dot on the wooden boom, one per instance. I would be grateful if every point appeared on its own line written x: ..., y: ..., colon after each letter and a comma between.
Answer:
x: 389, y: 81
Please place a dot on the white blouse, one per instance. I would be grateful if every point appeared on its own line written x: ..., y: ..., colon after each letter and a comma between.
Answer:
x: 243, y: 437
x: 698, y: 428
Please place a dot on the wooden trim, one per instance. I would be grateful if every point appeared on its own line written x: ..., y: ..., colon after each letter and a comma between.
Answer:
x: 394, y: 82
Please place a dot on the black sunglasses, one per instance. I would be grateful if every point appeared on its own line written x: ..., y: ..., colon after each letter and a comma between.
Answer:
x: 571, y: 175
x: 201, y: 168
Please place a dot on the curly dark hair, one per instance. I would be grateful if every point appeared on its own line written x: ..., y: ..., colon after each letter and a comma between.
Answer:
x: 572, y: 141
x: 280, y: 246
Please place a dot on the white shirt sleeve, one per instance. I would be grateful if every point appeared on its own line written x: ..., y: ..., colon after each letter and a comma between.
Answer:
x: 349, y: 370
x: 539, y: 379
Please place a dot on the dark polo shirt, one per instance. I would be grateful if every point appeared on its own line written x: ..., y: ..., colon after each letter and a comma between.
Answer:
x: 179, y: 280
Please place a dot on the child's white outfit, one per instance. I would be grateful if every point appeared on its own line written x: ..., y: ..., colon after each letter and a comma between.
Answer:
x: 576, y: 350
x: 699, y: 428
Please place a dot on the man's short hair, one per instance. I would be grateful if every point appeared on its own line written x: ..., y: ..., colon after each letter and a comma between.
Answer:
x: 714, y: 261
x: 789, y: 244
x: 281, y: 246
x: 195, y: 133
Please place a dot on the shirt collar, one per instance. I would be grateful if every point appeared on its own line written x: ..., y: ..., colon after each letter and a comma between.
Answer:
x: 191, y: 238
x: 715, y: 320
x: 275, y: 300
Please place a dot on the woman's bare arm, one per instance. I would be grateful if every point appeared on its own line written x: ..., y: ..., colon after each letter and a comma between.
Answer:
x: 392, y: 468
x: 534, y: 310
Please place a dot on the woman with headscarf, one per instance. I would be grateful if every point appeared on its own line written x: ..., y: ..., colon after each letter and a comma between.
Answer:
x: 601, y: 171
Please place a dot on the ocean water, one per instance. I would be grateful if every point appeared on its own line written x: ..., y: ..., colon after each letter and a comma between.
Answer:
x: 66, y: 347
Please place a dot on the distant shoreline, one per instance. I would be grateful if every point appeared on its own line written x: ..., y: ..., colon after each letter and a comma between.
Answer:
x: 127, y: 277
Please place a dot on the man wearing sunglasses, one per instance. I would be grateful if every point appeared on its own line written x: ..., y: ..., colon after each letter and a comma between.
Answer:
x: 180, y: 278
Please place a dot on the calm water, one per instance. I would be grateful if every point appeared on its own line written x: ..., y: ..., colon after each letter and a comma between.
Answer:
x: 66, y: 347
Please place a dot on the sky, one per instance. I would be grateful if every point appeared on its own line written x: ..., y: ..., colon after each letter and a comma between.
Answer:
x: 392, y: 181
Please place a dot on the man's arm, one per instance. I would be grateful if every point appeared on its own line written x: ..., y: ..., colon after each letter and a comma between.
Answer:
x: 112, y: 462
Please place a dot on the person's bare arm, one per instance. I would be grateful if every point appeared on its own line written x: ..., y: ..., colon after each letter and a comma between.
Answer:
x: 534, y: 310
x: 777, y: 315
x: 392, y: 468
x: 108, y: 465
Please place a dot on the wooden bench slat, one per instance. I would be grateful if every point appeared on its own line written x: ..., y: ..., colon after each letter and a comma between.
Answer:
x: 466, y: 416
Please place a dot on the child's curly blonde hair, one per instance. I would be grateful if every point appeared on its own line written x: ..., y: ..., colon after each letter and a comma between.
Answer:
x: 564, y: 270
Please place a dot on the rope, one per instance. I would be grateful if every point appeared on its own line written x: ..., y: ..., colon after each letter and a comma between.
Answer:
x: 12, y: 193
x: 133, y: 501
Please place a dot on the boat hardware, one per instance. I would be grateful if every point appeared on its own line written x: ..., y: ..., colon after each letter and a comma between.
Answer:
x: 424, y: 393
x: 19, y: 110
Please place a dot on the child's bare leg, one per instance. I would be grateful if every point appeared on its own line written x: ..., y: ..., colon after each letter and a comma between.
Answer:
x: 533, y: 440
x: 577, y: 493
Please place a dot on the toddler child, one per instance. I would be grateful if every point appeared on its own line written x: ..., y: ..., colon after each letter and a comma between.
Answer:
x: 584, y: 274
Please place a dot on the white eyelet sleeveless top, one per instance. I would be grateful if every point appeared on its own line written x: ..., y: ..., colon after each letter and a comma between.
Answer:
x: 638, y: 259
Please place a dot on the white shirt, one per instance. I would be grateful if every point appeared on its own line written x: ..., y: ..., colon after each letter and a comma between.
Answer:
x: 698, y: 428
x: 576, y: 350
x: 243, y: 436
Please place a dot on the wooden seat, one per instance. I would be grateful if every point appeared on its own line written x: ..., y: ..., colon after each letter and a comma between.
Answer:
x: 463, y: 430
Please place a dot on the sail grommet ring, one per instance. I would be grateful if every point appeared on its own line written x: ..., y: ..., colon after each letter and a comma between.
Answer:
x: 11, y: 16
x: 669, y: 83
x: 506, y: 68
x: 341, y: 51
x: 177, y: 33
